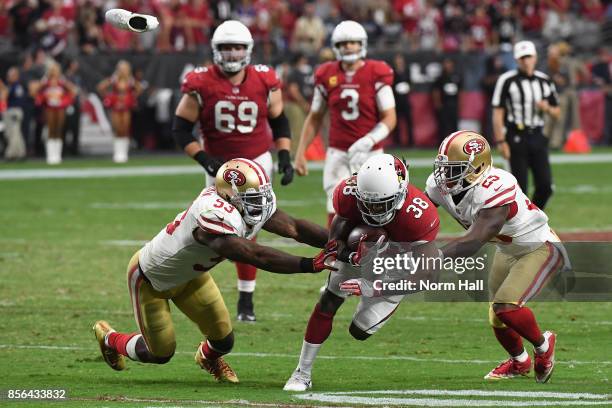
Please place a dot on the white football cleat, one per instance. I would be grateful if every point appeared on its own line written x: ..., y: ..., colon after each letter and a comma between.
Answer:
x: 126, y: 20
x: 299, y: 381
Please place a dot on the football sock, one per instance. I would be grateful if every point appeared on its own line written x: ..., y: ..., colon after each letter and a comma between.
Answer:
x: 542, y: 348
x: 523, y: 322
x: 119, y: 342
x: 246, y: 277
x: 319, y: 326
x: 510, y: 340
x: 521, y: 358
x: 131, y: 346
x: 307, y: 356
x: 209, y: 352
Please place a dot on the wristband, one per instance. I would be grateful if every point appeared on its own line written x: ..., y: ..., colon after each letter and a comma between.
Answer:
x: 306, y: 265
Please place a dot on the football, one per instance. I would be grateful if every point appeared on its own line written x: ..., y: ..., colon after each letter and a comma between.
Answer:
x: 373, y: 234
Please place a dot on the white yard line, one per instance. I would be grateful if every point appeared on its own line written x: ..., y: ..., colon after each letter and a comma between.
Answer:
x: 323, y: 357
x: 90, y: 172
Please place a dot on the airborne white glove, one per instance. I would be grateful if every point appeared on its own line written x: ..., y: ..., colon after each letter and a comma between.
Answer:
x: 359, y: 287
x: 362, y: 145
x: 356, y: 161
x: 126, y: 20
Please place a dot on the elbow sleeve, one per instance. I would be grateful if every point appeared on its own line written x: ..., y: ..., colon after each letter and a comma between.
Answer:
x: 182, y: 131
x: 280, y: 126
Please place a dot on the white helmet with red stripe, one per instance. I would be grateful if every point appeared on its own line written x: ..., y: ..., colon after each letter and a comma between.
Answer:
x: 464, y: 158
x: 382, y: 182
x: 246, y: 186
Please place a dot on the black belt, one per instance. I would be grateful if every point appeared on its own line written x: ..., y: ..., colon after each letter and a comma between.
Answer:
x: 520, y: 128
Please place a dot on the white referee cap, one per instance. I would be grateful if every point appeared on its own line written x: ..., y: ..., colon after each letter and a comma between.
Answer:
x: 523, y: 49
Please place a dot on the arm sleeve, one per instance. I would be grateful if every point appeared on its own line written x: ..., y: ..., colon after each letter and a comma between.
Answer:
x: 319, y: 100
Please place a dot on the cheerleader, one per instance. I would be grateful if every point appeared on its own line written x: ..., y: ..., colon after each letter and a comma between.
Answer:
x: 54, y: 94
x: 120, y: 95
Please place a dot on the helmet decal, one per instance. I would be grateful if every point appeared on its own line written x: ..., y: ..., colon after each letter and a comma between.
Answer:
x: 234, y: 176
x: 473, y: 146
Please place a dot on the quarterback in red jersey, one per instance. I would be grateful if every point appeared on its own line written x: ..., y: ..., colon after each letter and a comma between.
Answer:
x: 236, y: 105
x: 380, y: 196
x: 358, y: 94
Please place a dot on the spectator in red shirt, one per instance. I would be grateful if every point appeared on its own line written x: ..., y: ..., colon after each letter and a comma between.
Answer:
x: 480, y: 29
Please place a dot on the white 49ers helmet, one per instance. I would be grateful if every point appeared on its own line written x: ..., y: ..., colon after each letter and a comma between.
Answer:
x: 246, y: 186
x: 349, y: 31
x: 232, y: 32
x: 464, y: 158
x: 382, y: 182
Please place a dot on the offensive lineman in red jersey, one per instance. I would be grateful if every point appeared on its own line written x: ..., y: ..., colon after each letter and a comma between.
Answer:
x: 357, y: 92
x: 234, y: 103
x: 381, y: 196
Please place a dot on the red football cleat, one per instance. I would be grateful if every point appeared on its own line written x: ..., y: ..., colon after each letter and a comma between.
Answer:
x: 545, y: 362
x: 509, y: 369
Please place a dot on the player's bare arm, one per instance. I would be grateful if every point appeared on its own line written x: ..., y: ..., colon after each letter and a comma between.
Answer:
x: 185, y: 118
x: 239, y: 249
x: 281, y: 132
x: 498, y: 131
x: 487, y: 225
x: 311, y: 127
x: 300, y: 230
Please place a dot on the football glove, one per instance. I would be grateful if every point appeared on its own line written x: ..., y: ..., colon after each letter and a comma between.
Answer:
x: 362, y: 145
x: 210, y: 163
x: 356, y: 160
x: 326, y: 259
x: 359, y: 287
x: 126, y: 20
x: 284, y: 167
x: 363, y: 255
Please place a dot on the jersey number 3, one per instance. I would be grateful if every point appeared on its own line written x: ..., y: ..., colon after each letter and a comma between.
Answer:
x: 226, y: 114
x: 352, y: 109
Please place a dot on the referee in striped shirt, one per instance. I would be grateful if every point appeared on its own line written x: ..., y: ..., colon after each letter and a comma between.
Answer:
x: 521, y: 99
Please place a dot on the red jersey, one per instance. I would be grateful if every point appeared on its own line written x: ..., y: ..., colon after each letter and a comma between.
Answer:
x: 417, y: 220
x: 233, y: 118
x: 122, y: 97
x: 54, y: 94
x: 351, y: 99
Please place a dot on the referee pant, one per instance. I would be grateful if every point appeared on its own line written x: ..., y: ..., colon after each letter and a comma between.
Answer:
x: 529, y: 149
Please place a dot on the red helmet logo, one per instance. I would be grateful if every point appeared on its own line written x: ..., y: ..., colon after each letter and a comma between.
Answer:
x: 474, y: 146
x: 233, y: 176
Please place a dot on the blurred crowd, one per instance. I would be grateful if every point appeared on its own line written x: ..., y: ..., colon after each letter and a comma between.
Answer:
x: 304, y: 25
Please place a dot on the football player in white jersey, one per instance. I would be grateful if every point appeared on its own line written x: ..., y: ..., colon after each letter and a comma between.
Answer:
x: 488, y: 202
x: 173, y: 266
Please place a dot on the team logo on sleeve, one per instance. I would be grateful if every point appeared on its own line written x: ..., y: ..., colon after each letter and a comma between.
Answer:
x: 473, y: 146
x: 233, y: 176
x: 333, y: 81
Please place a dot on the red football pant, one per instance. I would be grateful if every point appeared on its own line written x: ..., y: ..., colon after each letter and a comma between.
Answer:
x: 510, y: 340
x: 246, y: 272
x: 523, y: 322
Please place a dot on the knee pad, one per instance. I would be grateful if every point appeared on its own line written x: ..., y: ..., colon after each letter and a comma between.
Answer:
x: 357, y: 333
x: 329, y: 303
x: 160, y: 360
x: 224, y: 345
x: 494, y: 320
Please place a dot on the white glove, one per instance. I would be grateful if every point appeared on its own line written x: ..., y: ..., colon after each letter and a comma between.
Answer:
x: 359, y: 287
x: 356, y: 161
x: 363, y: 145
x: 126, y: 20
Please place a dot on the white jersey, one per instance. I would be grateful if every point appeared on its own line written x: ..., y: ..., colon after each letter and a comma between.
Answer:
x: 525, y: 223
x: 174, y: 257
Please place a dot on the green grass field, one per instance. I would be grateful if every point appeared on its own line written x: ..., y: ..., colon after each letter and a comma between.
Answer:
x: 63, y: 253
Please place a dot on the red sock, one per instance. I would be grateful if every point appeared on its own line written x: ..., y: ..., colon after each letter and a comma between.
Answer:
x: 119, y: 341
x: 319, y: 326
x: 209, y: 352
x: 246, y: 272
x: 523, y: 322
x: 510, y: 340
x: 330, y: 218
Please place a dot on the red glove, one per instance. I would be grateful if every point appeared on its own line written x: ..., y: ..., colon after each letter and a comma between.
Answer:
x: 326, y: 258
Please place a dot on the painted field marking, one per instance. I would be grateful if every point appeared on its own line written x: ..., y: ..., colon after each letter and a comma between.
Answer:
x: 525, y: 399
x: 321, y: 357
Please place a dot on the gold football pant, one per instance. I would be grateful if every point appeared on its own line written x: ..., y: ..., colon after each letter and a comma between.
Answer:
x: 515, y: 280
x: 199, y: 299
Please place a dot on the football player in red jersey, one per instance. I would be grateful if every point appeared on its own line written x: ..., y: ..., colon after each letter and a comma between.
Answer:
x: 236, y: 105
x: 358, y: 94
x: 379, y: 195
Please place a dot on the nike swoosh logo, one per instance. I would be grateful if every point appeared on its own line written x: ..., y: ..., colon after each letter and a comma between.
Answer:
x: 497, y: 189
x: 433, y: 223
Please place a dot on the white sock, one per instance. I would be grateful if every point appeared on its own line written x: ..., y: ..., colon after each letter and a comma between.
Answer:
x: 543, y: 348
x: 521, y: 358
x: 307, y: 356
x: 130, y: 347
x: 246, y: 285
x: 106, y: 338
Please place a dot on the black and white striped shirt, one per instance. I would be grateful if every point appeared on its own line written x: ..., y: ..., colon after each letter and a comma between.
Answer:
x: 519, y: 94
